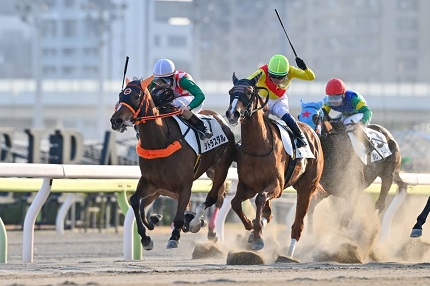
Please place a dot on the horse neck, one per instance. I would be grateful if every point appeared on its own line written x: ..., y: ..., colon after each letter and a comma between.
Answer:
x: 154, y: 133
x: 254, y: 131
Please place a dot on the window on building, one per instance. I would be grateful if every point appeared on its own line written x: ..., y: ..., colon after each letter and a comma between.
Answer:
x: 157, y: 41
x: 49, y: 71
x: 407, y: 44
x: 90, y: 52
x: 177, y: 41
x: 90, y: 71
x: 68, y: 70
x: 49, y: 52
x: 406, y: 63
x: 48, y: 29
x: 407, y: 5
x: 70, y: 28
x: 69, y: 52
x: 407, y: 24
x: 69, y: 3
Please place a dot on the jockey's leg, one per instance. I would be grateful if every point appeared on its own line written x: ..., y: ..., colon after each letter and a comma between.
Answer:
x: 198, y: 124
x: 297, y: 132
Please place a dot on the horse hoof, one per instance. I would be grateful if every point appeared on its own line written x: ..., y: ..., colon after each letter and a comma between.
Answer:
x: 257, y: 245
x: 212, y: 235
x: 155, y: 218
x: 195, y: 228
x: 416, y: 232
x: 172, y: 244
x: 149, y: 246
x: 251, y: 237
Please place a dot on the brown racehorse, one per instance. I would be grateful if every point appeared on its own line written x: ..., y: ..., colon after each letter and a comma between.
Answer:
x: 167, y: 162
x: 345, y: 175
x: 264, y: 166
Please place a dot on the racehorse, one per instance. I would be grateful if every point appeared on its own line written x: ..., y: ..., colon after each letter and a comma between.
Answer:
x: 417, y: 230
x: 345, y: 174
x: 264, y: 167
x: 167, y: 159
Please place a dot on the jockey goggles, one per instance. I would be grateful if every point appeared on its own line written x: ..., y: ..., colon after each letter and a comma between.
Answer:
x: 163, y: 81
x: 277, y: 77
x: 334, y: 100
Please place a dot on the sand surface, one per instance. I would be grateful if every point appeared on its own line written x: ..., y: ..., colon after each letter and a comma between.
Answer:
x: 327, y: 257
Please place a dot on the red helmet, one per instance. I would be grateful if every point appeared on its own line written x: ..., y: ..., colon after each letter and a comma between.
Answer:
x: 335, y: 86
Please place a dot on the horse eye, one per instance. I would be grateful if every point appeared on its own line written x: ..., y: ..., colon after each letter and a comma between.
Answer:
x: 315, y: 118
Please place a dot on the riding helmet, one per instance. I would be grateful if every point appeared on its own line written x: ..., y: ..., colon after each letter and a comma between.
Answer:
x: 278, y: 65
x: 164, y: 68
x: 335, y: 86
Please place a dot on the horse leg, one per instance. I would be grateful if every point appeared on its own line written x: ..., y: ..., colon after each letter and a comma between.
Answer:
x: 236, y: 205
x: 304, y: 195
x: 417, y: 230
x: 259, y: 222
x: 317, y: 197
x: 386, y: 182
x: 153, y: 219
x: 215, y: 194
x: 135, y: 201
x: 178, y: 220
x: 212, y: 236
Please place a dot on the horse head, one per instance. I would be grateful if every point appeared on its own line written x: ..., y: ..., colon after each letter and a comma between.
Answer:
x: 134, y: 100
x: 312, y: 114
x: 242, y: 97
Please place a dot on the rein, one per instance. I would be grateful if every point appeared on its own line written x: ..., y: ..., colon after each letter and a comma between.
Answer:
x: 255, y: 98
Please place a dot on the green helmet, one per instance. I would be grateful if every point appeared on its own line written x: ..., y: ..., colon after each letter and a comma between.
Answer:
x: 278, y: 65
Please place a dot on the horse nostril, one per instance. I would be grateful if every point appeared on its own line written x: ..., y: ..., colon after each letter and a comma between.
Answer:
x: 236, y: 115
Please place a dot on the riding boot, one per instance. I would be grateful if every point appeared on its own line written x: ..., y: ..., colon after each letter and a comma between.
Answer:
x: 198, y: 124
x: 297, y: 132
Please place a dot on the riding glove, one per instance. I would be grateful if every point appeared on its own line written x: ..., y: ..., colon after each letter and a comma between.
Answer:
x: 300, y: 63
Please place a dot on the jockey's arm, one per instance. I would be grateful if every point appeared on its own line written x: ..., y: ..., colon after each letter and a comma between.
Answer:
x: 194, y: 90
x: 306, y: 74
x: 361, y: 107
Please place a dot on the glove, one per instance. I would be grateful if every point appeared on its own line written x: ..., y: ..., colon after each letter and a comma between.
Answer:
x: 300, y: 63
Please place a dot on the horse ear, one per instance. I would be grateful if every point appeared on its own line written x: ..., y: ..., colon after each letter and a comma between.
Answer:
x: 255, y: 78
x: 320, y: 103
x: 145, y: 82
x: 302, y: 103
x: 127, y: 81
x: 234, y: 78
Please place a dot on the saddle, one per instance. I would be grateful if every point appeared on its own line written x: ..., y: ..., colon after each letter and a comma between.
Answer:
x: 369, y: 143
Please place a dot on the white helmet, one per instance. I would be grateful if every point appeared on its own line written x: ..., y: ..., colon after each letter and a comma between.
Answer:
x: 164, y: 68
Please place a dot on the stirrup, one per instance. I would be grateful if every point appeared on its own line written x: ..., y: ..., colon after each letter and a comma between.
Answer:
x: 300, y: 142
x: 204, y: 134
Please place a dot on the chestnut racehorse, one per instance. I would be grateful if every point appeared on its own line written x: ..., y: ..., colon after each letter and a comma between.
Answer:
x: 265, y: 169
x: 167, y: 162
x: 345, y: 175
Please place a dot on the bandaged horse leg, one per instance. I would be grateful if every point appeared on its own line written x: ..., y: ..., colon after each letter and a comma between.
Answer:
x: 198, y: 221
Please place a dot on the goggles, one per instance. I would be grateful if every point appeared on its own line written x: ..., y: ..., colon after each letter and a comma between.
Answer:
x: 277, y: 77
x: 334, y: 100
x: 163, y: 81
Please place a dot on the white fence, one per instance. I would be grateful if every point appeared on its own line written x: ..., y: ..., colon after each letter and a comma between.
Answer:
x: 132, y: 247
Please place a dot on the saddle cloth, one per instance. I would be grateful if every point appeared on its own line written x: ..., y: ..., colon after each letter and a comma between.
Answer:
x: 201, y: 146
x: 303, y: 152
x: 378, y: 141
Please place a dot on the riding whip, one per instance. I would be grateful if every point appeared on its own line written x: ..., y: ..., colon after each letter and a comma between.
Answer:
x: 285, y: 31
x: 125, y: 71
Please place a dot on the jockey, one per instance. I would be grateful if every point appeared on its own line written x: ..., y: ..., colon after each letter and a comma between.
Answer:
x: 276, y: 77
x: 351, y: 104
x: 188, y: 96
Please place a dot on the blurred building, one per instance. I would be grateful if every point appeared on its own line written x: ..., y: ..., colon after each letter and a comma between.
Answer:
x: 71, y: 52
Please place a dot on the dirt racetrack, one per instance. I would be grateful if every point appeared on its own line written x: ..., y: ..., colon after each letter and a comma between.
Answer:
x: 326, y: 257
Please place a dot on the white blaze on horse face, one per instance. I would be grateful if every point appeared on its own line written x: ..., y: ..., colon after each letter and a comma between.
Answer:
x: 232, y: 107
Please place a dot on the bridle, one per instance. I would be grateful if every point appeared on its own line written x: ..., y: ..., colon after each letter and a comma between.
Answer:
x: 248, y: 95
x: 126, y: 100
